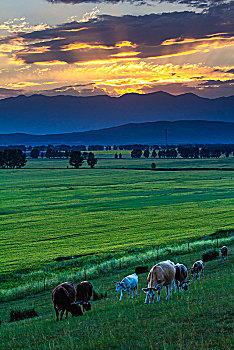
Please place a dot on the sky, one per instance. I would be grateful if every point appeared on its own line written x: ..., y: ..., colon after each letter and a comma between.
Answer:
x: 84, y: 47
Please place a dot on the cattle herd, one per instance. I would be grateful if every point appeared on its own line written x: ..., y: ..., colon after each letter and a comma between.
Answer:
x: 68, y: 297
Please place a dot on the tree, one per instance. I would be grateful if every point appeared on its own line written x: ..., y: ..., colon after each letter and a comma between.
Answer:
x: 116, y: 156
x: 120, y: 156
x: 153, y: 165
x: 205, y: 152
x: 91, y: 160
x: 12, y: 158
x: 146, y: 153
x: 76, y: 159
x: 136, y: 153
x: 216, y: 153
x: 154, y: 154
x: 34, y: 153
x: 2, y: 163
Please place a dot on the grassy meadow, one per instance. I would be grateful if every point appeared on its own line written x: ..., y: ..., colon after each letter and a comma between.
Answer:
x: 48, y: 211
x: 198, y: 319
x: 115, y: 217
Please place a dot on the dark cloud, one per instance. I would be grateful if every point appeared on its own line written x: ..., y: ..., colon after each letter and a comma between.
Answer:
x: 193, y: 3
x: 230, y: 71
x: 216, y: 83
x: 101, y: 37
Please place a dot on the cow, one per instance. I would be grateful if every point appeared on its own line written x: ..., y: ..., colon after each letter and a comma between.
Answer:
x: 84, y: 292
x: 197, y: 268
x: 128, y: 283
x: 161, y: 274
x: 224, y: 252
x: 64, y: 297
x: 180, y: 277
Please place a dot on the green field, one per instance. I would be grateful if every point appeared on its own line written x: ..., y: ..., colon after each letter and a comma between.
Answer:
x: 49, y: 211
x: 201, y: 318
x: 122, y: 214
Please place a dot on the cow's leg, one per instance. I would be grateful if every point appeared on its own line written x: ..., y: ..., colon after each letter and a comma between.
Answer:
x: 146, y: 298
x: 121, y: 295
x: 169, y: 287
x: 61, y: 315
x: 57, y: 313
x: 199, y: 274
x: 159, y: 293
x: 203, y: 273
x: 129, y: 292
x: 66, y: 315
x: 136, y: 290
x: 176, y: 285
x: 133, y: 292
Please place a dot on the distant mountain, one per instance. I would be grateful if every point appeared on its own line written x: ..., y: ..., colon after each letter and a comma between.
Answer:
x: 178, y: 132
x: 40, y: 114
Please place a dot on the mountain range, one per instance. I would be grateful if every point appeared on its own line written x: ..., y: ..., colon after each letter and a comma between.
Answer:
x: 178, y: 132
x: 38, y: 114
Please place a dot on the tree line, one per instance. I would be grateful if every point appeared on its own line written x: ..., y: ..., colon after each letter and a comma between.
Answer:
x: 183, y: 152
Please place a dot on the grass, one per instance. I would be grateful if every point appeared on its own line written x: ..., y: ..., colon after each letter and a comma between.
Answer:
x: 29, y: 282
x: 47, y: 213
x: 115, y: 219
x: 198, y: 319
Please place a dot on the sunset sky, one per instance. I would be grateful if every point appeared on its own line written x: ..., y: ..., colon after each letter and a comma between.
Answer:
x: 114, y: 47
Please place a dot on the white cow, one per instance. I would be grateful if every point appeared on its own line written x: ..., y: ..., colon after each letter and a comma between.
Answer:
x: 128, y: 283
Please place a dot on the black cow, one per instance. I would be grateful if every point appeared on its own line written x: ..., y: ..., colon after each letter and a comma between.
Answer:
x: 224, y: 252
x: 84, y: 292
x: 64, y: 297
x: 180, y: 277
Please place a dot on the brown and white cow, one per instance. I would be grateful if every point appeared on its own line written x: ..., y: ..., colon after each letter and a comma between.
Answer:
x: 64, y: 297
x: 162, y: 274
x: 180, y: 277
x: 197, y: 268
x: 84, y: 292
x: 224, y: 252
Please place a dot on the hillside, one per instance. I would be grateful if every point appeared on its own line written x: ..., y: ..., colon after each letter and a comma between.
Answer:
x: 40, y: 114
x: 178, y: 132
x: 191, y: 320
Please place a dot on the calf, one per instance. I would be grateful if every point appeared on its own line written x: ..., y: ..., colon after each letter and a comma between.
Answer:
x: 162, y: 274
x: 128, y: 283
x: 63, y: 297
x: 84, y: 292
x: 224, y: 252
x: 180, y: 277
x: 197, y: 268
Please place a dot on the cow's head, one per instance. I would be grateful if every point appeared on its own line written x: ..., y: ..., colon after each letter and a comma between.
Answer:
x: 120, y: 286
x: 185, y: 285
x: 150, y: 293
x: 75, y: 310
x: 86, y: 306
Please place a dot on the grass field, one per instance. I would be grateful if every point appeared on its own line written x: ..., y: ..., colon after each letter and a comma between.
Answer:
x: 120, y: 216
x: 198, y: 319
x: 49, y: 211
